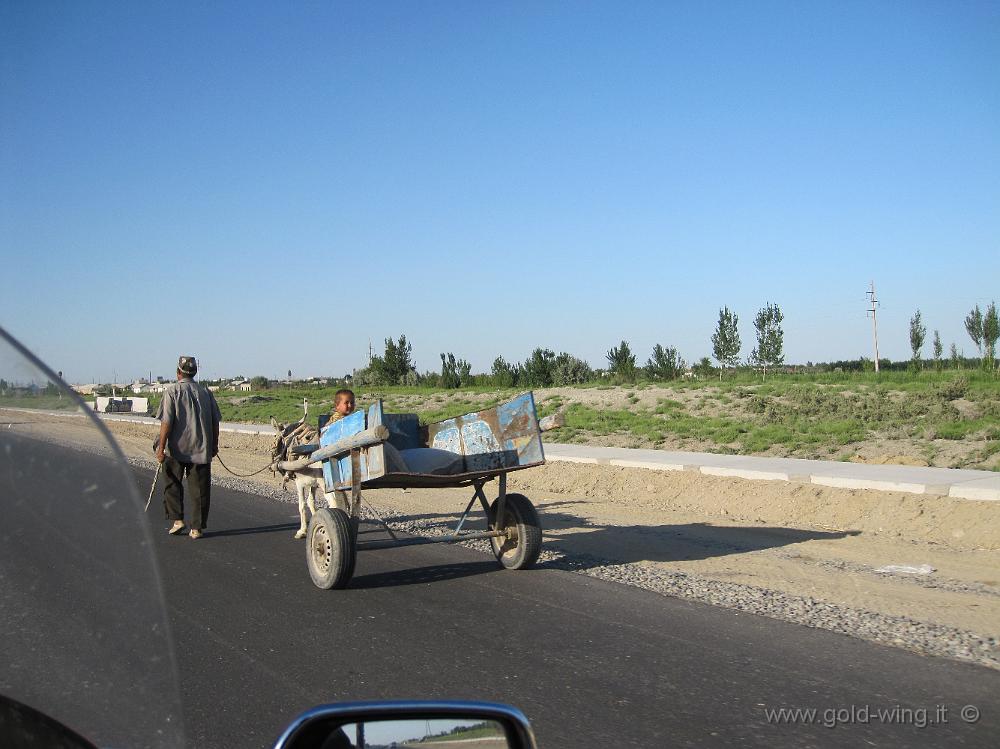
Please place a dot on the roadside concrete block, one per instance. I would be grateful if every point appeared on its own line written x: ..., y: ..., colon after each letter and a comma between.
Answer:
x: 982, y: 489
x: 745, y: 473
x: 854, y: 482
x: 648, y: 464
x: 551, y: 457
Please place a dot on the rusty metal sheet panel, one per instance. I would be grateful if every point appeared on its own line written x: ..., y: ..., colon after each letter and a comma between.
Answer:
x: 505, y: 436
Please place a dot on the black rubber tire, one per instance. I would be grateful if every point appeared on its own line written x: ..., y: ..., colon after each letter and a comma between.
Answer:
x: 522, y: 548
x: 330, y: 549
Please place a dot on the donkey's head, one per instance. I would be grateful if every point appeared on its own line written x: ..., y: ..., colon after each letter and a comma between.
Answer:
x: 280, y: 445
x: 285, y: 433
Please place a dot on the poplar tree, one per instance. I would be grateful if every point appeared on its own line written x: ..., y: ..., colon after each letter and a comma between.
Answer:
x: 770, y: 338
x: 726, y: 342
x: 974, y: 327
x: 918, y: 332
x: 991, y: 332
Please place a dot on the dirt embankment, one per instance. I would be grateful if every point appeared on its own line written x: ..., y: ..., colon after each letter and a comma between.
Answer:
x: 825, y: 557
x: 945, y: 423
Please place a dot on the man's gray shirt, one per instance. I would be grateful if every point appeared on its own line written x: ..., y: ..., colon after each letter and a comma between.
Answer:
x: 193, y: 415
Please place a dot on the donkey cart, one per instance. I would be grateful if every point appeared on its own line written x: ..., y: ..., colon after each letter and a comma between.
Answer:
x: 377, y: 450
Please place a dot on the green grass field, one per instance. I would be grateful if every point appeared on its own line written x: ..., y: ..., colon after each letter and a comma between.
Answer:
x: 942, y: 418
x: 286, y: 404
x: 820, y: 416
x: 43, y: 401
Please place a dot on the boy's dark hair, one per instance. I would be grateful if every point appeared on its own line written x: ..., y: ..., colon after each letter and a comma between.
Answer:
x: 342, y: 392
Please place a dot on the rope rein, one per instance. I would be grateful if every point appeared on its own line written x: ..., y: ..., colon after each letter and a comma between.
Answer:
x: 301, y: 435
x: 244, y: 475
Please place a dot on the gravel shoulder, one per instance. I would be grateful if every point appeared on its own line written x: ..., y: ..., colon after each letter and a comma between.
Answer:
x: 797, y: 552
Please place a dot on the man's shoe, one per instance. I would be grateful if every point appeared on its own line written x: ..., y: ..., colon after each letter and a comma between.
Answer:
x: 176, y: 528
x: 195, y: 533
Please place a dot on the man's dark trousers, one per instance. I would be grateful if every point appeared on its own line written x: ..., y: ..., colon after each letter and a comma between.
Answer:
x: 199, y: 481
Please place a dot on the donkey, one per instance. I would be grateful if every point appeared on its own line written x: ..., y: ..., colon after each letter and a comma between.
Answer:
x: 309, y: 481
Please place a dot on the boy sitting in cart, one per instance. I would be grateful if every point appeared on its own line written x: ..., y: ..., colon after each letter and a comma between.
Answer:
x: 343, y: 405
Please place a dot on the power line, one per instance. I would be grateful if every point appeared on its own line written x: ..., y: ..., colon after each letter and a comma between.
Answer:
x: 871, y: 311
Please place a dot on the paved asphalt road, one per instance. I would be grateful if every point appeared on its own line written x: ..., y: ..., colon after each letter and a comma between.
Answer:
x: 591, y: 663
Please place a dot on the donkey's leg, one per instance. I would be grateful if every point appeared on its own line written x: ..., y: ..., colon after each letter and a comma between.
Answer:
x: 337, y: 499
x: 300, y: 489
x: 311, y: 491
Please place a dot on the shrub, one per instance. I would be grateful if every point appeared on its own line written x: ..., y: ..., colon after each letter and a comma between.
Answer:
x: 503, y: 374
x: 949, y: 390
x: 621, y: 363
x: 665, y: 363
x: 568, y: 370
x: 537, y: 368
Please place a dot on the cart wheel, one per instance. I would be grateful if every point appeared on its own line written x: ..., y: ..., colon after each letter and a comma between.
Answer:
x: 330, y: 550
x: 520, y: 548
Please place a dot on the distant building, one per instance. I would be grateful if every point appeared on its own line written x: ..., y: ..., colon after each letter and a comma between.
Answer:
x: 107, y: 405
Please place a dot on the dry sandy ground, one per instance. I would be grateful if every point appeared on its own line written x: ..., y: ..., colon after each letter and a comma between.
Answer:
x: 803, y: 540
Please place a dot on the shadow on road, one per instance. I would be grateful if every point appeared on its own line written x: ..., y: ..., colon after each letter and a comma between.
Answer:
x: 588, y: 544
x: 672, y: 543
x: 256, y: 529
x: 421, y: 575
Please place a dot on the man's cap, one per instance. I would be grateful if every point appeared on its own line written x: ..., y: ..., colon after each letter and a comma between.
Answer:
x: 187, y: 365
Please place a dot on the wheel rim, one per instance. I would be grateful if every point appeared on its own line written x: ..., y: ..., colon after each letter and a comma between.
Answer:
x: 507, y: 545
x: 322, y: 550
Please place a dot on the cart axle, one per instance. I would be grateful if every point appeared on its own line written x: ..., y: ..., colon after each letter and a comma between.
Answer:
x: 421, y: 540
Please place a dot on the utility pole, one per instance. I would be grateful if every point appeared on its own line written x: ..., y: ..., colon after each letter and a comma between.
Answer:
x: 874, y: 304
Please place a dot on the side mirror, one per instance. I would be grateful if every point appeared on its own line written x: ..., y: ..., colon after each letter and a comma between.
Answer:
x: 399, y: 725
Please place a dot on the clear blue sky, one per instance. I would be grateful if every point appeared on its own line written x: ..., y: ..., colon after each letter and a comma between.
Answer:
x: 270, y: 186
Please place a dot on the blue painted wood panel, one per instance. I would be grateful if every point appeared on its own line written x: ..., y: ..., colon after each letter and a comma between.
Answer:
x: 493, y: 440
x: 350, y: 424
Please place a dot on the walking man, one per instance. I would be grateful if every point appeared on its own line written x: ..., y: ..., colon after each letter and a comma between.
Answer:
x: 189, y: 430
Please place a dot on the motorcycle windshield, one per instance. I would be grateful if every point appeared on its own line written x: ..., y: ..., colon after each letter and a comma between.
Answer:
x: 83, y: 627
